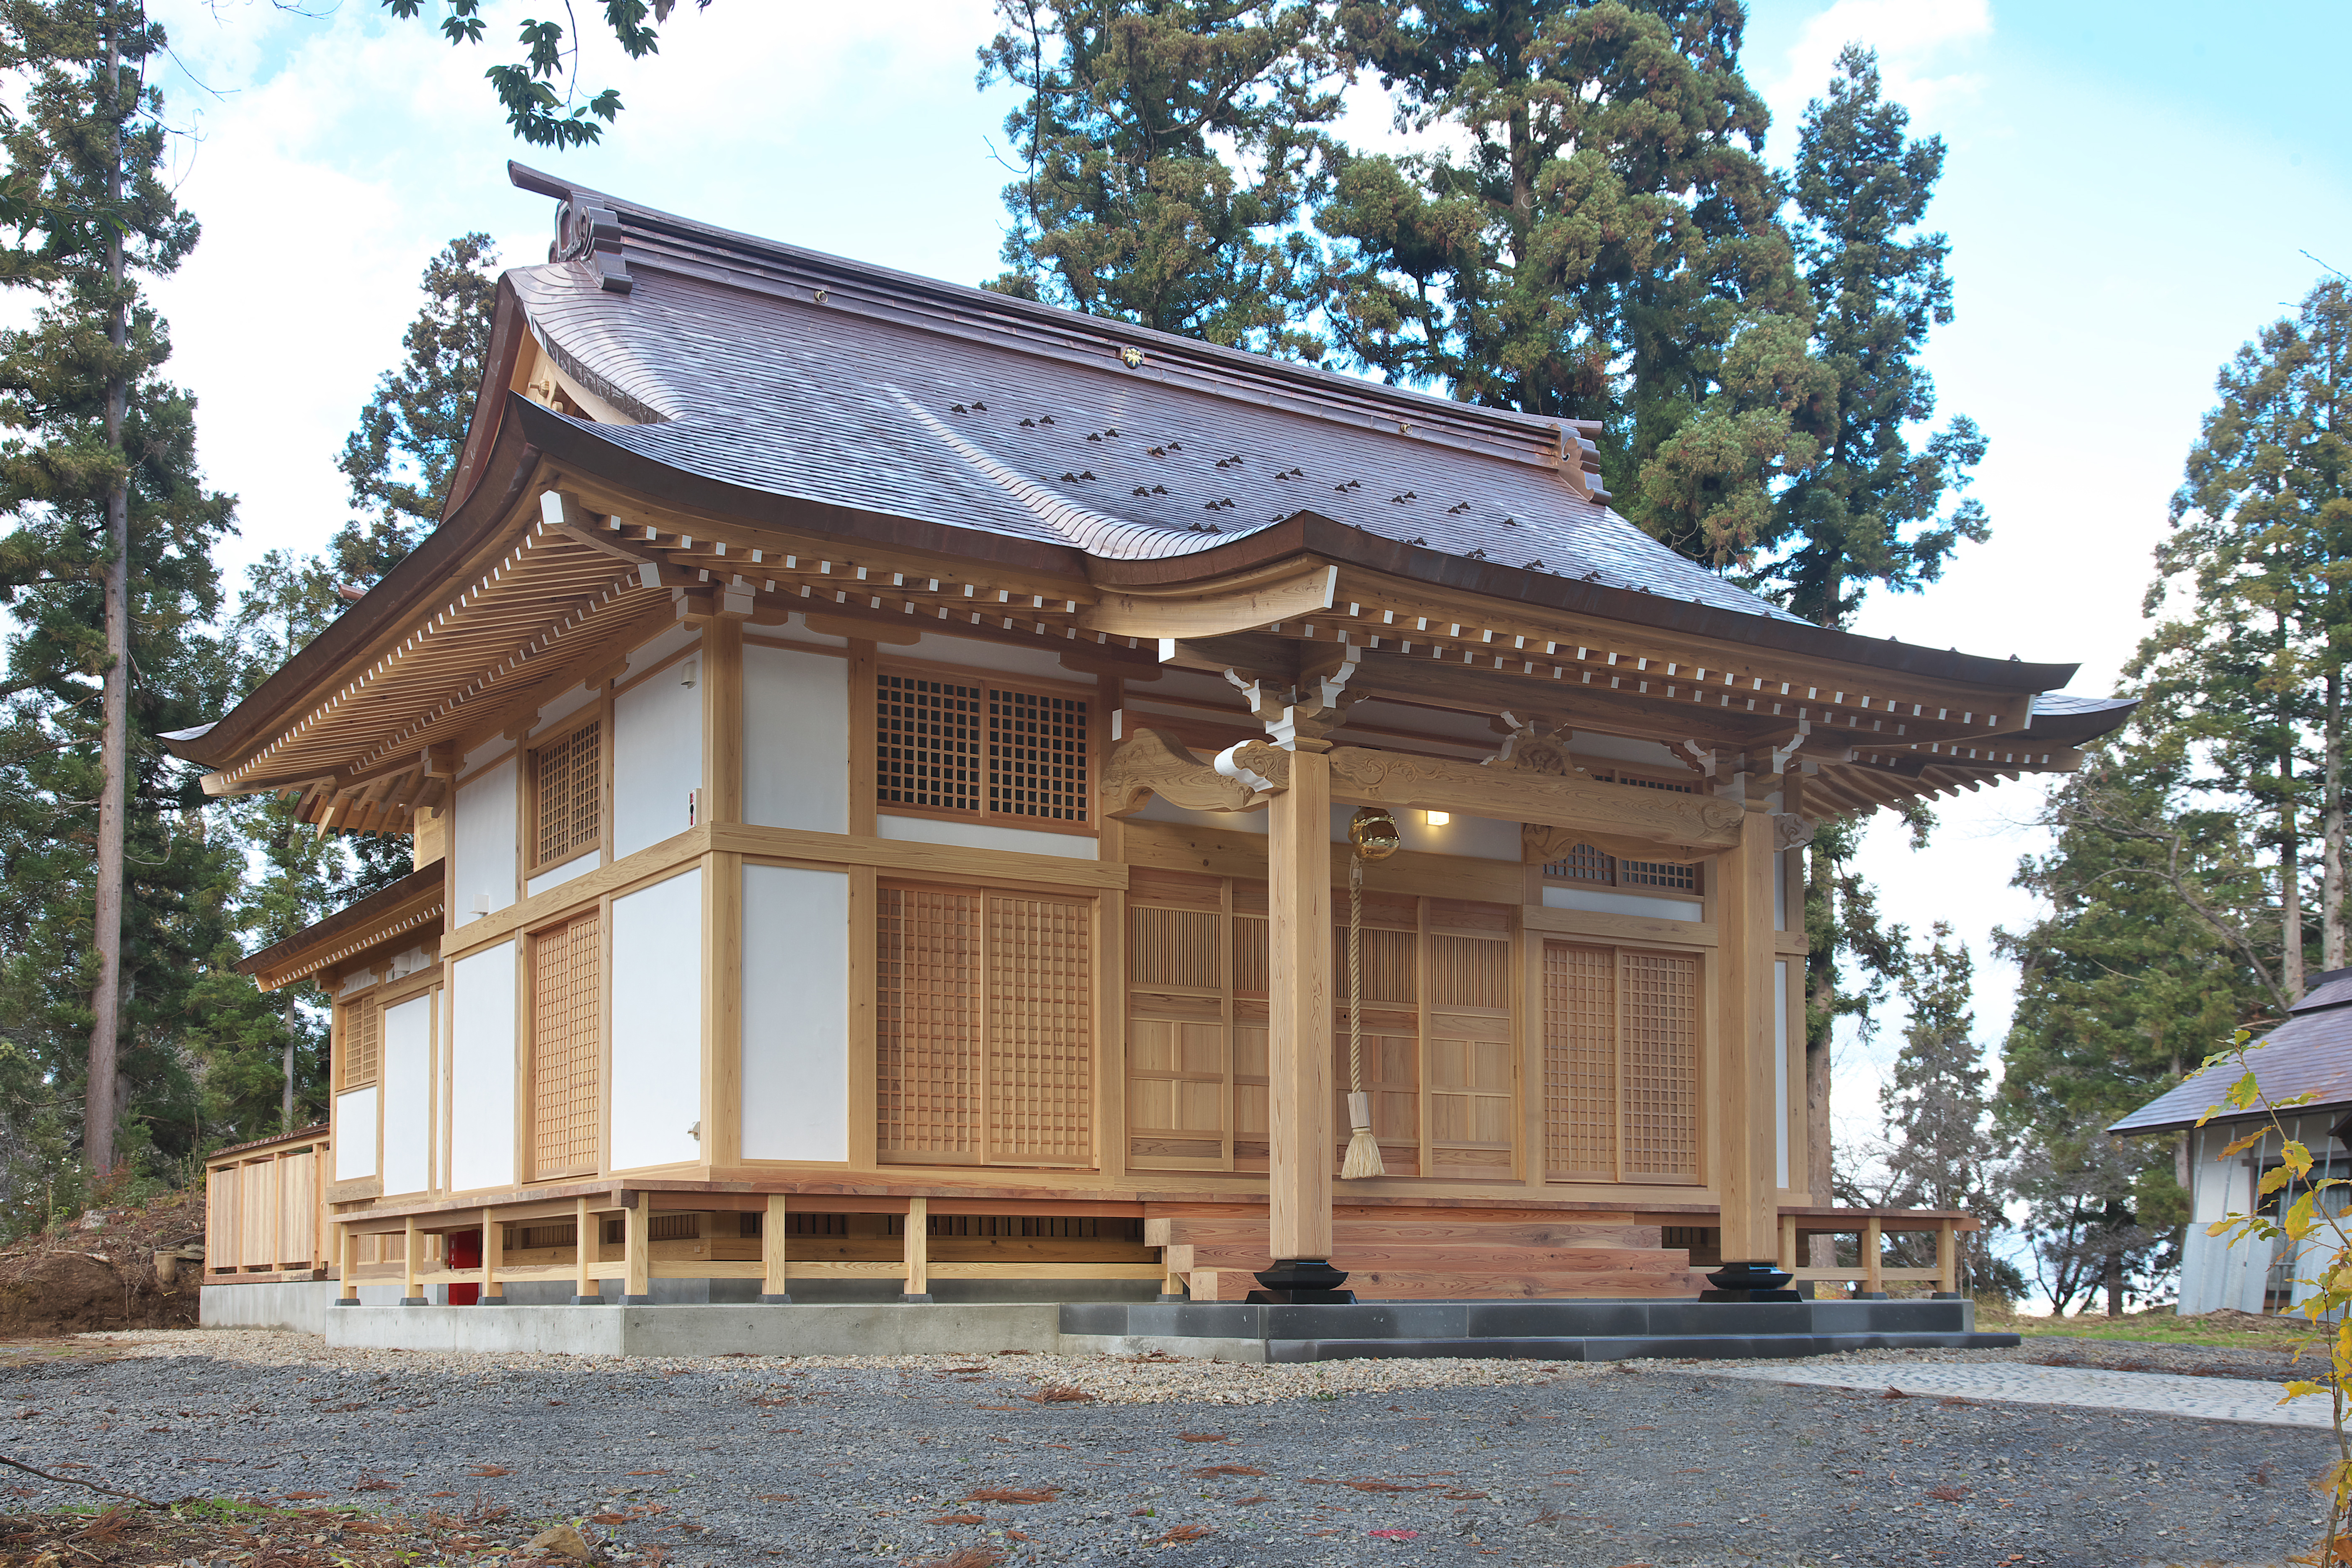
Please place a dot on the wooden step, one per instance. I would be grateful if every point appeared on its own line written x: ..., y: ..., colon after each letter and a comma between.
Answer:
x: 1223, y: 1230
x: 1454, y: 1259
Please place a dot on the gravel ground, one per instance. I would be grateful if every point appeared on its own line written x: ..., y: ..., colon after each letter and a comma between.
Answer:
x: 892, y: 1460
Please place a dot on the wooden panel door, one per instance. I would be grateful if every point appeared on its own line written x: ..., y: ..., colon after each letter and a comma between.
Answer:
x: 1657, y: 1008
x: 1039, y: 1075
x: 1620, y: 1065
x: 1580, y: 1062
x: 1471, y: 1102
x: 927, y: 1025
x: 1178, y: 1070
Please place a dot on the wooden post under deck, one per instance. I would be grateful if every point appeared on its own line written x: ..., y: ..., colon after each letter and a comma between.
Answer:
x: 494, y: 1256
x: 776, y: 1284
x: 1746, y: 1158
x: 918, y: 1250
x: 1874, y: 1256
x: 1947, y: 1258
x: 412, y: 1253
x: 584, y: 1250
x: 347, y: 1256
x: 1298, y: 1022
x: 638, y: 1254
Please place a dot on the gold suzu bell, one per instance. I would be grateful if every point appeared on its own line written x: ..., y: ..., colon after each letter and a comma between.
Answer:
x: 1373, y: 831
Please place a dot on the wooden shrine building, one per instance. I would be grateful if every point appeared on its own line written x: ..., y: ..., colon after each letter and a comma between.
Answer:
x: 881, y: 756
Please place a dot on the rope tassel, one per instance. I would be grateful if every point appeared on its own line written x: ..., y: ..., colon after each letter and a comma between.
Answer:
x: 1363, y: 1160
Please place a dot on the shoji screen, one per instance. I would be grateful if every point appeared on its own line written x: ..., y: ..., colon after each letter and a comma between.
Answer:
x: 1621, y: 1065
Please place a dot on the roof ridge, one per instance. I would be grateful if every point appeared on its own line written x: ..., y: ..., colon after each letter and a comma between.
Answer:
x: 638, y: 233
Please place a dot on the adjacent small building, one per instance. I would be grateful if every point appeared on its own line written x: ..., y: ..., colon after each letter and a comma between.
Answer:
x: 2309, y: 1054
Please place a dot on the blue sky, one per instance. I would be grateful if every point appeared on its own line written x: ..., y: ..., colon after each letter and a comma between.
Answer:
x: 2129, y: 191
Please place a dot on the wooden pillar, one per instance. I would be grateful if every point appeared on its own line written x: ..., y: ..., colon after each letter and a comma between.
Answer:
x: 494, y: 1258
x: 638, y: 1254
x: 1298, y: 1021
x: 583, y: 1255
x: 1873, y: 1239
x: 1948, y: 1256
x: 347, y: 1258
x: 412, y: 1253
x: 776, y: 1287
x: 1746, y: 1177
x: 1788, y: 1241
x: 918, y: 1250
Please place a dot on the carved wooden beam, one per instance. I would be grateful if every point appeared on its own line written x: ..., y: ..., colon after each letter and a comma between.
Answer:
x: 1651, y: 820
x: 1151, y: 761
x: 1289, y: 591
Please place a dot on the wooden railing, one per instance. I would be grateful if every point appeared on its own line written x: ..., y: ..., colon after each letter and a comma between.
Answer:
x: 1871, y: 1229
x: 265, y: 1210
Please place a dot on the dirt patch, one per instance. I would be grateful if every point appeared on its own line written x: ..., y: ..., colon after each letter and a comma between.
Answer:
x: 99, y: 1272
x: 280, y: 1537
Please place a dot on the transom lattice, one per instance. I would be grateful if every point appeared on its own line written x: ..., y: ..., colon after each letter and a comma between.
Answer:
x: 928, y: 746
x: 980, y: 749
x: 1036, y: 755
x: 1586, y: 864
x: 567, y: 784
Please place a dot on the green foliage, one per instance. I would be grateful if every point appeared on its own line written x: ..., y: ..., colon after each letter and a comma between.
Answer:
x: 400, y: 460
x: 1864, y: 506
x: 1595, y: 251
x: 526, y: 88
x: 1170, y: 152
x: 1945, y: 1153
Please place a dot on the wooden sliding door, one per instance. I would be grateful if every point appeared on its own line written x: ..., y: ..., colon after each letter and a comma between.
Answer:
x: 984, y: 1028
x: 1620, y: 1064
x: 567, y: 1047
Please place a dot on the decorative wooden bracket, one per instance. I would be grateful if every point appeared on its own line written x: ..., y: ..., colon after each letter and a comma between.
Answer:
x: 1150, y: 762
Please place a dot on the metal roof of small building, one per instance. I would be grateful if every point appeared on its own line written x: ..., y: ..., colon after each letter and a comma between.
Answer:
x: 2309, y: 1053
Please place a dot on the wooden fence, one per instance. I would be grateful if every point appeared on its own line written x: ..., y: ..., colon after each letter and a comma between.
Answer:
x: 265, y: 1211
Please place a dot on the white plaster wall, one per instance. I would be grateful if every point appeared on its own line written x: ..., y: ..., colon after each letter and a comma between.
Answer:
x: 987, y: 836
x: 656, y: 757
x: 483, y: 841
x: 795, y: 739
x: 482, y: 1069
x: 795, y: 1014
x: 656, y: 1051
x: 1601, y: 902
x: 355, y: 1134
x: 1479, y: 838
x: 1157, y: 809
x: 1009, y: 658
x: 674, y: 636
x: 562, y: 708
x: 578, y: 866
x: 407, y: 1068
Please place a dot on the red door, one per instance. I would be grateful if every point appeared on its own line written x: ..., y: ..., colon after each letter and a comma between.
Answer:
x: 465, y: 1252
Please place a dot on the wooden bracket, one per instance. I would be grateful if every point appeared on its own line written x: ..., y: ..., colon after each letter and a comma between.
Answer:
x: 1151, y: 761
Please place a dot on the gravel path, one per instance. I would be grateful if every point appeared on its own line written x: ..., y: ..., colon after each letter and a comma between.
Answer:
x: 894, y: 1461
x: 2156, y: 1394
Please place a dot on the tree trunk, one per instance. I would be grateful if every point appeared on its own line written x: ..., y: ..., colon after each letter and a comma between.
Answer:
x: 114, y: 748
x: 2331, y: 839
x: 2115, y: 1284
x: 2290, y: 858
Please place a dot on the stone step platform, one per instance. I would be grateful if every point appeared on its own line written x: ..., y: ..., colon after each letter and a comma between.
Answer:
x: 1435, y: 1259
x: 1539, y: 1331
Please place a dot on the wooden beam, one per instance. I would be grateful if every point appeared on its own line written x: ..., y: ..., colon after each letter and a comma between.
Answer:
x: 1745, y: 1174
x: 1289, y: 590
x: 1361, y: 777
x: 1299, y: 1032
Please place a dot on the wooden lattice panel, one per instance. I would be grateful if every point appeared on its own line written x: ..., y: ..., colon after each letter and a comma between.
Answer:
x: 567, y: 1047
x: 1580, y: 1062
x: 1037, y: 756
x: 928, y: 743
x: 568, y: 794
x: 928, y: 1026
x: 1251, y: 955
x: 1174, y: 948
x: 1659, y: 1009
x: 358, y: 1042
x: 1040, y: 1043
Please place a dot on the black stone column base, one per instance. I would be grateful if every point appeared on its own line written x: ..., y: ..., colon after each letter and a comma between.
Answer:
x: 1750, y: 1282
x: 1301, y: 1281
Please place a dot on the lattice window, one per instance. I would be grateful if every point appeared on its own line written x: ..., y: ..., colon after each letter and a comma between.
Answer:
x: 982, y: 749
x: 567, y: 787
x: 1659, y: 1052
x: 567, y: 962
x: 928, y: 738
x: 1586, y: 864
x: 1621, y: 1065
x: 1037, y: 756
x: 928, y: 1026
x: 985, y: 1028
x: 357, y: 1044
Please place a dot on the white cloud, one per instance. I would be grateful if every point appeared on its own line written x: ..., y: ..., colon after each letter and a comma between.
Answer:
x: 1917, y: 43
